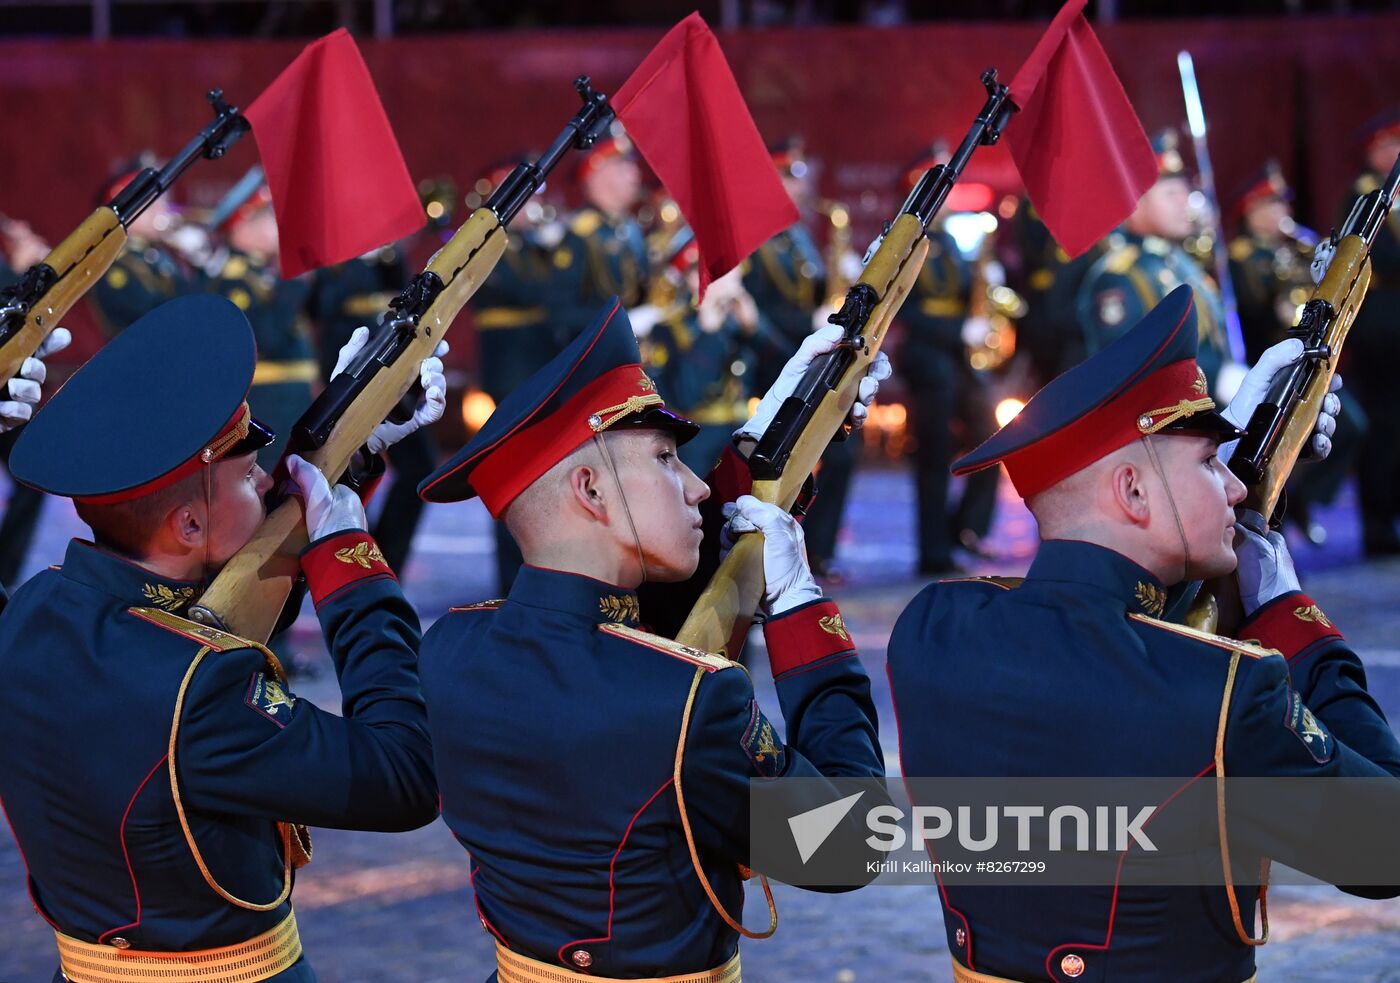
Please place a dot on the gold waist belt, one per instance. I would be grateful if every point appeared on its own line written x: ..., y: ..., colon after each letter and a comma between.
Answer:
x: 260, y: 958
x: 267, y: 373
x: 512, y: 967
x: 961, y: 974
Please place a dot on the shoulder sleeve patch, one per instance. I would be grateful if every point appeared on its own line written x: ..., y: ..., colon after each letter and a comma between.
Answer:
x: 480, y: 606
x: 219, y: 641
x: 1252, y: 649
x: 270, y: 698
x: 1300, y: 720
x: 706, y: 660
x: 760, y: 742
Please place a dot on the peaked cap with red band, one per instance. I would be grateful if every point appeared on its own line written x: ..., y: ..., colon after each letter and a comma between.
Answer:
x: 1146, y: 382
x: 163, y: 399
x: 595, y: 384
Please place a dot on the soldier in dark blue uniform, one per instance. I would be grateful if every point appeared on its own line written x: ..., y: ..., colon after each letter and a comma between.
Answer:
x: 598, y: 774
x: 147, y: 272
x: 1073, y: 673
x: 165, y: 816
x: 1145, y: 261
x: 1374, y: 345
x: 276, y: 308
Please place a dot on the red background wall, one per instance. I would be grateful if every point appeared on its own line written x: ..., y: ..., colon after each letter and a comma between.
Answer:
x: 866, y: 99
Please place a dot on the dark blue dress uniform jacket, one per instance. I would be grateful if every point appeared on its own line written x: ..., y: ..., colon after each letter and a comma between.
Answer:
x: 555, y: 741
x: 86, y: 718
x: 1070, y: 674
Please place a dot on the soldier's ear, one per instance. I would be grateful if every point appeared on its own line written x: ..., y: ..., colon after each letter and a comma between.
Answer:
x: 586, y: 488
x: 187, y: 526
x: 1129, y: 493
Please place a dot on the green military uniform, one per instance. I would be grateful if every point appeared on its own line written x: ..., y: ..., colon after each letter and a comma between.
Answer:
x: 615, y: 264
x: 949, y: 403
x: 286, y: 367
x: 1132, y: 277
x: 787, y: 280
x: 1373, y: 348
x: 1272, y: 280
x: 144, y: 276
x: 1049, y: 280
x: 527, y: 303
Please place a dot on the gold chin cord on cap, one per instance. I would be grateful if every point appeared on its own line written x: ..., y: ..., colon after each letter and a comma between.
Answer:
x: 626, y: 509
x: 221, y: 445
x: 1171, y: 500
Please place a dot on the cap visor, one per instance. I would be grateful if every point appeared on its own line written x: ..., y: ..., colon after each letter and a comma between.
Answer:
x: 660, y: 418
x: 258, y: 437
x: 1210, y: 424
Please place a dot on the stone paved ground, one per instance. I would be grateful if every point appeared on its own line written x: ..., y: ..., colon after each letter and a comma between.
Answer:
x: 377, y: 907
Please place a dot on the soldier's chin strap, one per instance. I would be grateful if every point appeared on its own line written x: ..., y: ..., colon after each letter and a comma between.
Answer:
x: 622, y: 496
x: 1171, y: 500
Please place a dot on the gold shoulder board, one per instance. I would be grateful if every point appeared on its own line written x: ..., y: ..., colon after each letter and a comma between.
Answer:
x: 706, y: 660
x: 1122, y: 260
x: 218, y: 641
x: 480, y: 606
x: 1252, y: 649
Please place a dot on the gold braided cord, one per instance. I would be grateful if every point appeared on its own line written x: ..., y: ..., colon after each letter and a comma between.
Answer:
x: 1244, y: 936
x: 1183, y: 409
x: 260, y: 958
x: 284, y: 828
x: 690, y: 837
x: 513, y: 967
x: 221, y: 446
x: 604, y: 418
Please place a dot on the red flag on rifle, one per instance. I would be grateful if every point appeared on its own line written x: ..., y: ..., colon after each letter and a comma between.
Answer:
x: 339, y: 183
x: 683, y: 110
x: 1077, y: 142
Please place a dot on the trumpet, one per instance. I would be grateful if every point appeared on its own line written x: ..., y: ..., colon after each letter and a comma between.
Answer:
x: 996, y: 303
x: 838, y: 250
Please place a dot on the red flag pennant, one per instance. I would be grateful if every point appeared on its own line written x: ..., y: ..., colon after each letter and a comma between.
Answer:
x: 339, y: 183
x: 684, y: 111
x: 1077, y: 142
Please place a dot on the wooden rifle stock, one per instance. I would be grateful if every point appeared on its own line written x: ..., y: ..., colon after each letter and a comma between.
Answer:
x: 721, y: 618
x: 248, y: 595
x: 1281, y: 429
x: 73, y: 267
x: 49, y: 290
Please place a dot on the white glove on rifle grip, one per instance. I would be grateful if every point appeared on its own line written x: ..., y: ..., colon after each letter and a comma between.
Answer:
x: 328, y: 510
x: 26, y: 388
x: 788, y: 581
x: 1265, y: 568
x: 430, y: 408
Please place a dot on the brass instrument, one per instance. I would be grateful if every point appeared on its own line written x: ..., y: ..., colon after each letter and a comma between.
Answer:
x: 1000, y: 305
x: 838, y: 247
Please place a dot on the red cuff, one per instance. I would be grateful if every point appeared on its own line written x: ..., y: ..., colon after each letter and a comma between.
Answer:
x: 342, y: 559
x: 730, y: 477
x: 1289, y: 623
x: 805, y: 635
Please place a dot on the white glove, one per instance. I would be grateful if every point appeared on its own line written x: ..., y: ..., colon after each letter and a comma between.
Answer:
x: 878, y: 372
x: 430, y: 408
x: 328, y: 510
x: 1265, y: 567
x: 819, y: 342
x: 643, y: 318
x: 26, y: 387
x: 1255, y: 387
x: 1322, y: 259
x: 788, y: 581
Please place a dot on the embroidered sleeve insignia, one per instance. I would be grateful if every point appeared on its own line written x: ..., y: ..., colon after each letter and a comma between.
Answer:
x: 362, y: 554
x: 760, y: 743
x: 834, y: 625
x: 1312, y: 613
x: 268, y: 697
x: 1305, y: 727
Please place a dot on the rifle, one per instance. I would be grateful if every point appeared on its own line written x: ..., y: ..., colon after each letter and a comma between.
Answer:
x: 251, y: 590
x: 1282, y: 425
x: 32, y: 308
x: 809, y: 418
